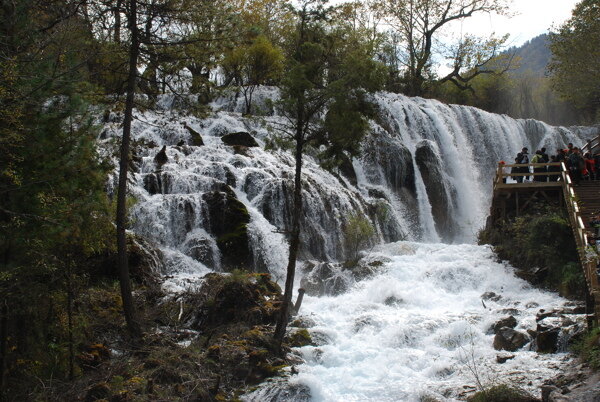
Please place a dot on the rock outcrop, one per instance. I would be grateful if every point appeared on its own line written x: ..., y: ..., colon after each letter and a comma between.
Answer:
x: 241, y: 138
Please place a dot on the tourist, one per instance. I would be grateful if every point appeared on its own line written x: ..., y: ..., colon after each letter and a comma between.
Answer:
x: 576, y: 166
x: 522, y: 158
x: 570, y: 149
x: 554, y: 169
x: 545, y: 156
x: 538, y: 158
x: 590, y: 166
x: 597, y: 165
x: 560, y: 155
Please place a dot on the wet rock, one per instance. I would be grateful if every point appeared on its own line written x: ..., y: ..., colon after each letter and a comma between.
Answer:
x: 300, y: 337
x: 503, y: 358
x: 200, y: 248
x: 491, y: 296
x: 240, y: 138
x: 196, y: 137
x: 324, y: 278
x: 347, y: 170
x: 392, y: 301
x: 546, y: 340
x: 161, y: 158
x: 441, y: 193
x: 227, y: 220
x: 153, y: 183
x: 510, y: 340
x: 365, y: 269
x: 508, y: 322
x: 377, y: 193
x: 547, y: 390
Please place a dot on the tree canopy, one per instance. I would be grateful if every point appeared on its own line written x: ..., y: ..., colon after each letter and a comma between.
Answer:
x: 575, y: 64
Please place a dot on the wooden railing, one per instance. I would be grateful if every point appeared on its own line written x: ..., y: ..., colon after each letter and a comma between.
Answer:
x: 592, y: 146
x: 588, y: 259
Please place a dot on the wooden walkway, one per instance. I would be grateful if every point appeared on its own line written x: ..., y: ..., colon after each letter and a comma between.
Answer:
x: 581, y: 202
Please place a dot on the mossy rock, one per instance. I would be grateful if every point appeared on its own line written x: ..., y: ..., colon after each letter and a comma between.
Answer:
x: 300, y: 338
x: 228, y: 222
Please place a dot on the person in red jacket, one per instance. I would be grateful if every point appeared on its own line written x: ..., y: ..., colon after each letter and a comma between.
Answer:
x: 590, y: 166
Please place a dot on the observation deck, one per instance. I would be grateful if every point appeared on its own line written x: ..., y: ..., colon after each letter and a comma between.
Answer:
x: 581, y: 202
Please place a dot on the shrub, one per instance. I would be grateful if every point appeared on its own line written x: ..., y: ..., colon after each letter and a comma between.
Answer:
x: 358, y: 233
x: 502, y: 393
x: 589, y: 348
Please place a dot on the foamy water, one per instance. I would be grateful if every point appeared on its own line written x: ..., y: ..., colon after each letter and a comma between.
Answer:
x: 420, y: 329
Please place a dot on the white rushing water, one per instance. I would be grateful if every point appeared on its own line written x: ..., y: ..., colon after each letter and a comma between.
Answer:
x: 424, y: 175
x: 420, y: 329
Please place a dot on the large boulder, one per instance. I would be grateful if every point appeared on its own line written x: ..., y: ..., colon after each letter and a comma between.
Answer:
x: 228, y: 219
x: 508, y: 322
x: 440, y: 192
x: 240, y: 138
x: 510, y: 339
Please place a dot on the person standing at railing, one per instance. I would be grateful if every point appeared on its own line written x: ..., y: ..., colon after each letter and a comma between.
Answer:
x: 538, y: 158
x: 554, y: 169
x: 522, y: 158
x: 576, y: 166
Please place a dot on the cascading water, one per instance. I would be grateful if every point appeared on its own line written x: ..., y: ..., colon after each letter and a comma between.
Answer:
x: 404, y: 333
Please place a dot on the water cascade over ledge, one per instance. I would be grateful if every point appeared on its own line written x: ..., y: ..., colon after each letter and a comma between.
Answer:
x: 424, y: 180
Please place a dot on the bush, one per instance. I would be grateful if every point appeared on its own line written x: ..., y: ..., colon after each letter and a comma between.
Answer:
x: 541, y: 239
x: 502, y: 393
x: 359, y: 233
x: 589, y: 348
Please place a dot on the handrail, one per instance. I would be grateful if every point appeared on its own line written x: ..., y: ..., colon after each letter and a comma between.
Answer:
x: 591, y: 145
x: 588, y: 264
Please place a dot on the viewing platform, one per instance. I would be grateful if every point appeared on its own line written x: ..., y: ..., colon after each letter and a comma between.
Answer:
x: 581, y: 202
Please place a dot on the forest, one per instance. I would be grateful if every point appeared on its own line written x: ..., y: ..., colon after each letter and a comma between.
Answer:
x: 65, y: 248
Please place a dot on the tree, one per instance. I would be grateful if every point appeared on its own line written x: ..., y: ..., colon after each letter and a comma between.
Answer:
x: 254, y: 64
x: 574, y: 67
x: 52, y: 198
x: 121, y: 220
x: 317, y: 84
x: 418, y: 23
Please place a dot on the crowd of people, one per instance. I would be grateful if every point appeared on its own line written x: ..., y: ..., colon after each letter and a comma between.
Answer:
x: 580, y: 167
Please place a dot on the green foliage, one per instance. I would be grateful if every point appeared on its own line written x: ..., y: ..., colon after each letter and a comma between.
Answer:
x: 358, y: 233
x: 254, y: 64
x: 541, y: 239
x: 589, y: 348
x: 502, y: 393
x: 575, y: 57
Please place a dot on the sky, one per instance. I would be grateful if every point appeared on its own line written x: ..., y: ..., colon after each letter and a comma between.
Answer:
x: 531, y: 18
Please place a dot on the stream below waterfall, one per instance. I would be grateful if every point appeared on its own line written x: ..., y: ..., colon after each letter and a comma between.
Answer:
x: 418, y: 329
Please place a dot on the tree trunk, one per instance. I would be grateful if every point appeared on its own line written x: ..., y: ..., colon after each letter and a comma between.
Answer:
x: 70, y: 319
x: 3, y: 343
x: 295, y: 235
x: 128, y: 306
x: 117, y: 15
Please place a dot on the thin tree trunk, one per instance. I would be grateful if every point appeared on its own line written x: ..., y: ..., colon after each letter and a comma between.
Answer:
x: 295, y: 235
x: 70, y: 319
x: 128, y: 305
x: 117, y: 14
x: 3, y: 342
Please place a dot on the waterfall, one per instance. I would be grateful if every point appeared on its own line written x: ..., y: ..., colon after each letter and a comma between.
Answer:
x: 428, y: 165
x: 424, y: 179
